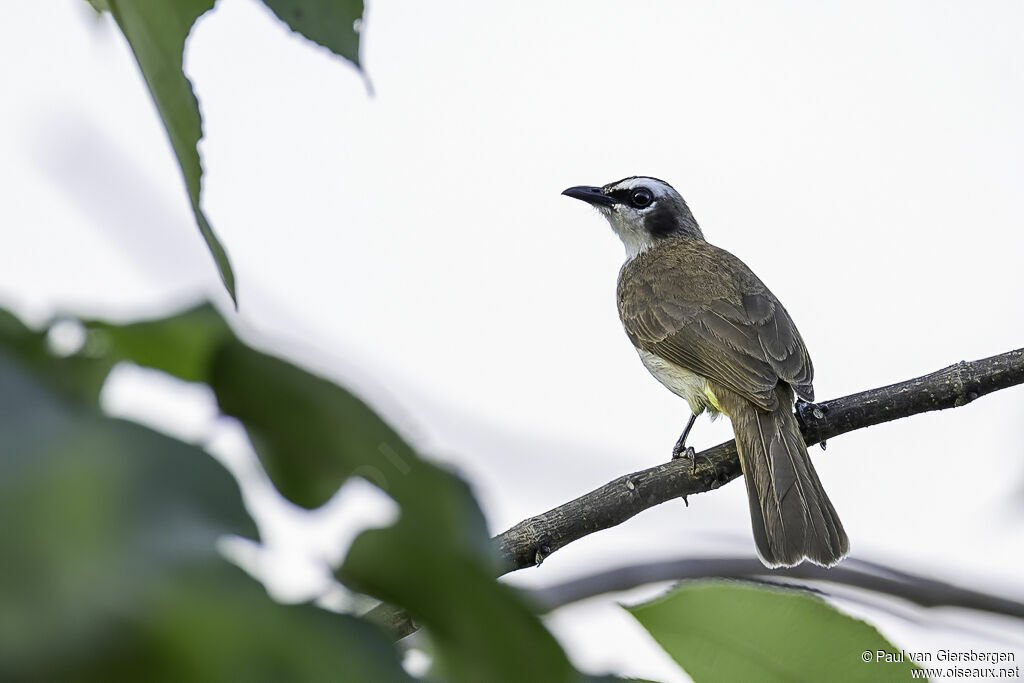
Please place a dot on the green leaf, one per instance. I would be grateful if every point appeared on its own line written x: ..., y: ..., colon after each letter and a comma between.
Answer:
x: 156, y: 31
x: 182, y: 345
x: 481, y: 628
x: 311, y: 435
x: 435, y: 561
x: 730, y: 631
x: 221, y: 626
x: 330, y: 23
x: 110, y: 570
x: 79, y: 377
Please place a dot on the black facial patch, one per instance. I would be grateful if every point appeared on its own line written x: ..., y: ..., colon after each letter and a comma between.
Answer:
x: 661, y: 221
x: 621, y: 195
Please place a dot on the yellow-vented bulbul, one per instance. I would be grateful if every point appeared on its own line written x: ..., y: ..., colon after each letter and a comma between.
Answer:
x: 708, y: 329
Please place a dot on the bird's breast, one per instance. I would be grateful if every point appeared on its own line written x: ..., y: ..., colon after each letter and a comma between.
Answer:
x: 681, y: 382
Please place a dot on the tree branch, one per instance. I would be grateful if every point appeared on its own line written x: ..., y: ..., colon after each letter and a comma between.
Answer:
x: 852, y: 572
x: 527, y: 543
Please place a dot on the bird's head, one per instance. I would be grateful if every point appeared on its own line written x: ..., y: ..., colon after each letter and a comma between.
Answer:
x: 642, y: 211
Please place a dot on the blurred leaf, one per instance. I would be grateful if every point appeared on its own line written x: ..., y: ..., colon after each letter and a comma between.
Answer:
x: 330, y: 23
x: 221, y: 626
x: 722, y: 631
x: 80, y: 376
x: 481, y: 628
x: 110, y: 571
x: 182, y: 345
x: 311, y: 435
x: 435, y: 561
x: 156, y: 31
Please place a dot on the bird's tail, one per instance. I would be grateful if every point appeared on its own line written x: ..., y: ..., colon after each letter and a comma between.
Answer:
x: 792, y: 517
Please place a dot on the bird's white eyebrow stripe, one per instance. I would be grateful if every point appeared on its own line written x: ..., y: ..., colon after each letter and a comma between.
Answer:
x: 659, y: 187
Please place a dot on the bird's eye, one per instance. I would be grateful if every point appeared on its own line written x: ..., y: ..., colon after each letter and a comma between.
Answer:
x: 641, y: 198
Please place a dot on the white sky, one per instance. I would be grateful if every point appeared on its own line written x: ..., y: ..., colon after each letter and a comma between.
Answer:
x: 865, y: 159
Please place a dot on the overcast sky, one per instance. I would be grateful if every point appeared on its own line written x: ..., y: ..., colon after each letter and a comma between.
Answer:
x: 865, y: 159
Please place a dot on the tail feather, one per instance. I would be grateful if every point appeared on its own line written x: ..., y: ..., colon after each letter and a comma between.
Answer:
x: 792, y: 517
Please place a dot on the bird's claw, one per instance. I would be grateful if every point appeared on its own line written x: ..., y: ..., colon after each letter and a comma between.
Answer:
x: 681, y: 451
x: 689, y: 454
x: 807, y: 413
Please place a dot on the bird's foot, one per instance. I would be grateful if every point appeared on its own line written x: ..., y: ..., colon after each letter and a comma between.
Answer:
x: 681, y: 450
x: 688, y: 452
x: 808, y: 413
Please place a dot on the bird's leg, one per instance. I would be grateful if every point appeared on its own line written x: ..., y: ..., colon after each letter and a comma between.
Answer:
x: 681, y: 450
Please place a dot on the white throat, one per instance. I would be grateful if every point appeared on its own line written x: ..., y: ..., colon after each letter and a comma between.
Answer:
x: 635, y: 240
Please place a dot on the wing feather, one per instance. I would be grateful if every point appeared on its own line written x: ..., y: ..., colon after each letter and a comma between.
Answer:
x: 702, y: 309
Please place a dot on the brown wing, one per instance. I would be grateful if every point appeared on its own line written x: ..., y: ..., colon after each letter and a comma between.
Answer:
x: 701, y: 308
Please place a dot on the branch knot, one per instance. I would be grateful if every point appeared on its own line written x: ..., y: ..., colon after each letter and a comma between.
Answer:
x: 965, y: 384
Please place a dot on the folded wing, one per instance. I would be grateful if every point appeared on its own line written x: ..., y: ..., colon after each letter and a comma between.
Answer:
x: 702, y: 309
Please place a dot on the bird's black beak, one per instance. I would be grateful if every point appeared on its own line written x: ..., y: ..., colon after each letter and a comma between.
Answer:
x: 591, y: 195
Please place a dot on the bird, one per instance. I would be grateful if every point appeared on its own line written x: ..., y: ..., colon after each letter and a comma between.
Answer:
x: 710, y: 331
